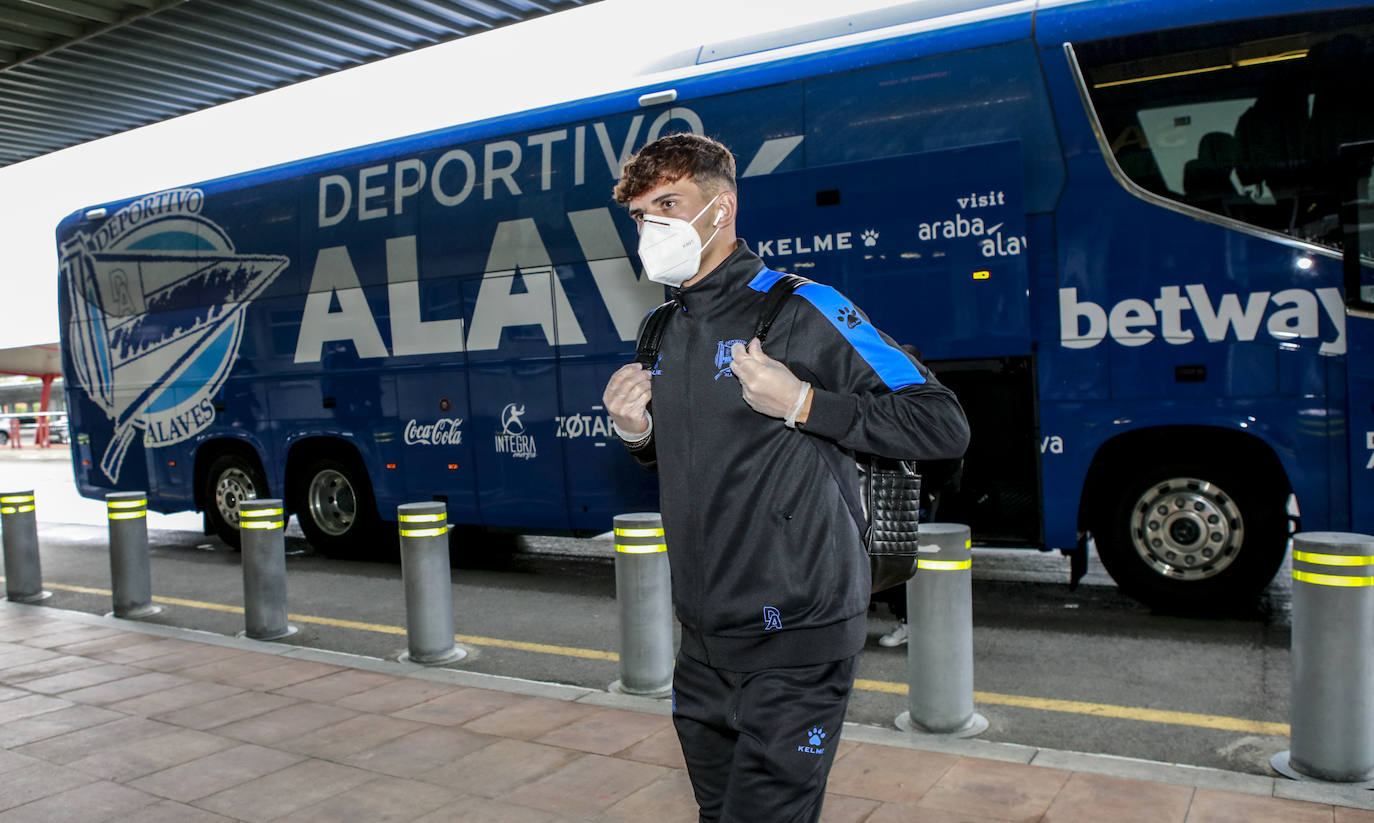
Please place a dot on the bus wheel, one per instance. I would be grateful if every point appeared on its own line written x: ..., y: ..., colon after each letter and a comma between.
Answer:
x: 230, y: 480
x: 1189, y: 536
x: 335, y: 507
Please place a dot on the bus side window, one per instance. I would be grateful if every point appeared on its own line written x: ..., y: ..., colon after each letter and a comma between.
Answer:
x: 1339, y: 117
x: 1243, y: 120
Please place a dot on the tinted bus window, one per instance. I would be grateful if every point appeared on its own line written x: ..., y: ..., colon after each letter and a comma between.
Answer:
x: 1244, y: 120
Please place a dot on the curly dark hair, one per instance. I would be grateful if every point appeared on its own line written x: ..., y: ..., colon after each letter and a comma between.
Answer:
x: 709, y: 163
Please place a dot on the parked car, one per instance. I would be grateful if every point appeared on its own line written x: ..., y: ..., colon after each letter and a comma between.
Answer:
x: 28, y: 429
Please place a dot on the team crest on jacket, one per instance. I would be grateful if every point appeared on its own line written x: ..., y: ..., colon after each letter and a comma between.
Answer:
x: 723, y: 358
x: 772, y: 619
x: 157, y: 295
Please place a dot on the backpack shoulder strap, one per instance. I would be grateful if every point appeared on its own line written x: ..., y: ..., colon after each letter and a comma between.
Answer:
x: 772, y: 302
x: 651, y: 336
x: 837, y: 462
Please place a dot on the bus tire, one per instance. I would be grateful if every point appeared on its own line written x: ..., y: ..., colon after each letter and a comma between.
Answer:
x: 1190, y: 536
x: 231, y: 479
x: 335, y: 507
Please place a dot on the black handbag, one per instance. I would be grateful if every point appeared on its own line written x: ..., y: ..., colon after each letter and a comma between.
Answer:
x: 892, y: 506
x: 889, y: 492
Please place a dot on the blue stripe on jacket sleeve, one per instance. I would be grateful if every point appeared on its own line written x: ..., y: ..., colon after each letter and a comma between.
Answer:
x: 891, y: 364
x: 765, y: 280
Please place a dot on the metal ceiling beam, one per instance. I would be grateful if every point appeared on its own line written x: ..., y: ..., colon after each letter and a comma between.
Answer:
x: 15, y: 37
x: 224, y: 62
x: 456, y: 17
x: 264, y: 17
x: 63, y: 83
x: 78, y: 9
x: 379, y: 20
x: 74, y: 70
x: 39, y: 111
x: 111, y: 25
x: 41, y: 23
x: 283, y: 60
x: 420, y: 13
x: 381, y: 43
x: 143, y: 64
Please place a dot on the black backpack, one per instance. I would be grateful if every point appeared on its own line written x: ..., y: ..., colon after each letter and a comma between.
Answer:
x: 885, y: 506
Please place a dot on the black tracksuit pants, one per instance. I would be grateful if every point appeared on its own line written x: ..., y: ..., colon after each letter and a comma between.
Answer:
x: 759, y: 745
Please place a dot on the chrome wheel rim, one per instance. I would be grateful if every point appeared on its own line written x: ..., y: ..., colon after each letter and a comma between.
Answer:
x: 234, y: 486
x: 333, y: 506
x: 1186, y: 528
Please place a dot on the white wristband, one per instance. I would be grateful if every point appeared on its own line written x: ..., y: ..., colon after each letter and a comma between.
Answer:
x: 791, y: 420
x: 634, y: 439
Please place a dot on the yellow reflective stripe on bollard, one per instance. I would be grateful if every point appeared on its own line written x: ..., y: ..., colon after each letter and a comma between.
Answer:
x: 424, y: 532
x: 17, y: 498
x: 1334, y: 559
x: 22, y: 509
x: 945, y: 565
x: 127, y: 515
x: 1332, y: 579
x: 423, y: 518
x: 126, y: 504
x: 642, y: 548
x: 262, y: 524
x: 639, y: 532
x: 8, y: 510
x: 260, y: 512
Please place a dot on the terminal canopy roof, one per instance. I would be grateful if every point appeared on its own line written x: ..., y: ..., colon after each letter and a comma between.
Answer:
x: 77, y: 70
x: 31, y: 361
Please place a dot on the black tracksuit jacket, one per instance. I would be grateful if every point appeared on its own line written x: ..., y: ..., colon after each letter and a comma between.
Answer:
x: 768, y: 567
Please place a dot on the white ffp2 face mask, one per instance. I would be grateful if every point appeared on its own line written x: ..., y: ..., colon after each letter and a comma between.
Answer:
x: 670, y: 248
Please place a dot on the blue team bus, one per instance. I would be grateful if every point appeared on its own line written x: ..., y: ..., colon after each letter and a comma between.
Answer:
x: 1130, y: 234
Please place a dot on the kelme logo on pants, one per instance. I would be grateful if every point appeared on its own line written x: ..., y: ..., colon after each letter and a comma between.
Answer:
x: 814, y: 738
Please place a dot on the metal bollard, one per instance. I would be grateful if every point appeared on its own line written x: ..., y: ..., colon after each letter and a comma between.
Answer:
x: 1332, y: 729
x: 130, y: 575
x: 428, y: 582
x: 940, y: 652
x: 644, y: 595
x: 262, y: 525
x: 23, y: 570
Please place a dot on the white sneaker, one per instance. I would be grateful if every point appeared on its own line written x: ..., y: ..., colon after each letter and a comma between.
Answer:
x: 897, y: 637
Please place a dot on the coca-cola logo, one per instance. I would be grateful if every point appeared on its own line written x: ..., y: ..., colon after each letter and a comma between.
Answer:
x: 446, y: 431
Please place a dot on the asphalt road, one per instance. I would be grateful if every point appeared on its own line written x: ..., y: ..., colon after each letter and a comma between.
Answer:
x: 1086, y: 670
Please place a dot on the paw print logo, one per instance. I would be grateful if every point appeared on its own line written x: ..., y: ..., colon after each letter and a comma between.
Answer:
x: 817, y: 736
x: 870, y: 237
x: 849, y: 317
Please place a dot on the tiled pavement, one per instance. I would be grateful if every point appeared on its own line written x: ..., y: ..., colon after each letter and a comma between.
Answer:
x: 112, y: 720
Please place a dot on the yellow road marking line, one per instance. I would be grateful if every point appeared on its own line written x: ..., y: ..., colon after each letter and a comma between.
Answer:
x: 1164, y: 716
x: 1050, y: 704
x: 380, y: 628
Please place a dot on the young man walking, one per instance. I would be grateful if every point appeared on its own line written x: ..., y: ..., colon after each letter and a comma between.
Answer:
x: 769, y: 573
